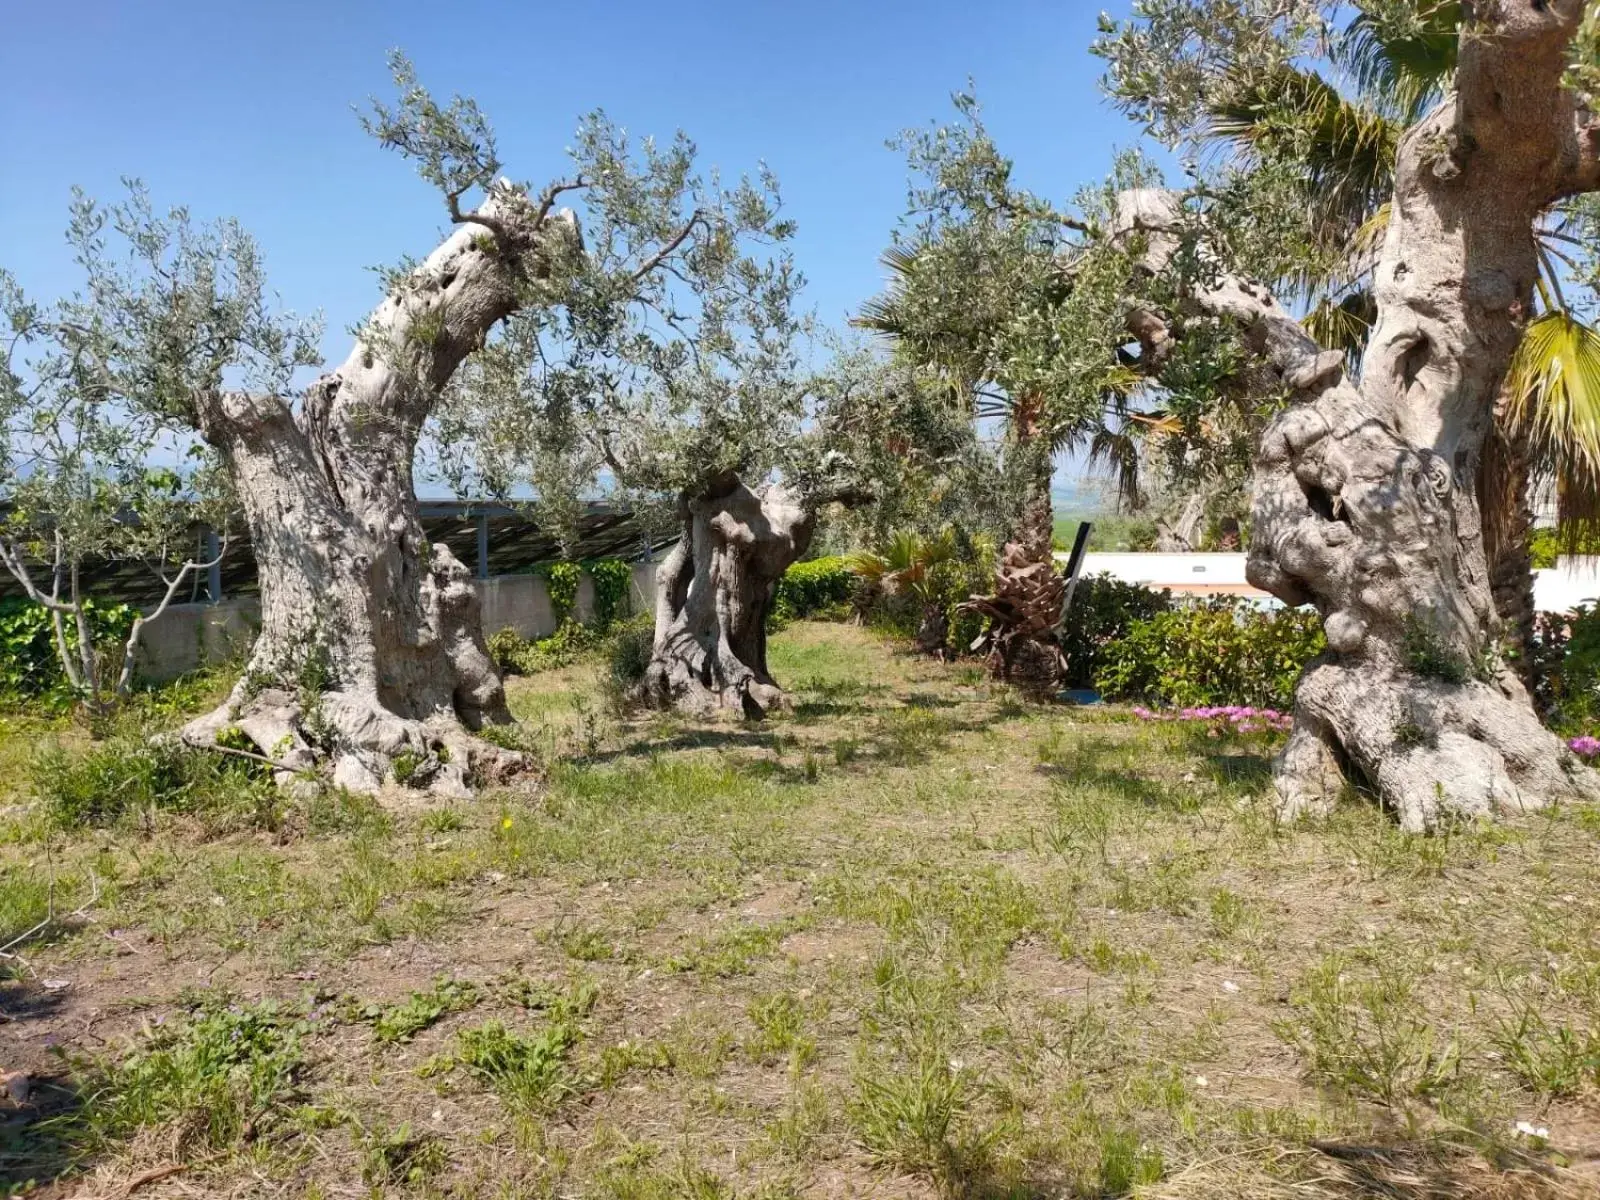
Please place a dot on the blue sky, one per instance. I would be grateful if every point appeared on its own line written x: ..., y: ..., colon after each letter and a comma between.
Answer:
x: 244, y: 110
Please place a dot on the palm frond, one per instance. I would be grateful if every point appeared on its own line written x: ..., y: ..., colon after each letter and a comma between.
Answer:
x: 1553, y: 400
x: 1343, y: 324
x: 880, y: 315
x: 871, y: 567
x: 1401, y: 57
x: 1118, y: 450
x: 1346, y: 149
x: 1369, y: 235
x: 885, y: 314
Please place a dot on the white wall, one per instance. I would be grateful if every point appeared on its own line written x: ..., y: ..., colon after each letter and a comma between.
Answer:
x: 188, y: 636
x: 1166, y: 570
x: 1572, y: 581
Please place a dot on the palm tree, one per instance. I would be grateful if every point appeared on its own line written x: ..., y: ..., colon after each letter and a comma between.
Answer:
x: 957, y: 341
x: 909, y: 566
x: 1396, y: 62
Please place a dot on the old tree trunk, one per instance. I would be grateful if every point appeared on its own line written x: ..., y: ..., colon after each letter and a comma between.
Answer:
x: 371, y: 655
x: 1366, y: 500
x: 713, y: 595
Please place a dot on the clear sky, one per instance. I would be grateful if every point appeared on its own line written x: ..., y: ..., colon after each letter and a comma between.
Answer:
x: 241, y: 108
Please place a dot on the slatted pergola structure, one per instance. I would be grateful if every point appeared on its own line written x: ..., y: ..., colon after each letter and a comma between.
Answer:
x: 495, y: 538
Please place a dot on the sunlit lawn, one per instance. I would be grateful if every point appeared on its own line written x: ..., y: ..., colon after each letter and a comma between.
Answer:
x: 916, y: 936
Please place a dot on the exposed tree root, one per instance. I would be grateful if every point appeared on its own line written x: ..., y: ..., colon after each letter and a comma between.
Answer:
x: 1435, y: 750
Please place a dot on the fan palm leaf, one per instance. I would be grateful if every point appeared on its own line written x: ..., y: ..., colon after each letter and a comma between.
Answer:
x: 1346, y: 148
x: 1343, y: 324
x: 1553, y: 401
x: 1402, y: 57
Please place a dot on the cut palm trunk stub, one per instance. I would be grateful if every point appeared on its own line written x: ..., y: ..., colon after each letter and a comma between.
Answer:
x: 1024, y: 613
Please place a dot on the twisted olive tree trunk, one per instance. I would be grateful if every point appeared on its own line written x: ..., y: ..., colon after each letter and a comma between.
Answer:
x: 1366, y: 500
x: 714, y: 593
x: 1366, y: 497
x: 371, y: 654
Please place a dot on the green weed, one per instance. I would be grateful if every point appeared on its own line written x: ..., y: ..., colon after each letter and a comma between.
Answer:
x: 530, y: 1072
x: 1367, y: 1033
x: 403, y: 1021
x: 219, y: 1077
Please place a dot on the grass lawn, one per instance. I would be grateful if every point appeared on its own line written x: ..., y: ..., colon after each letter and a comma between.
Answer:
x: 914, y: 938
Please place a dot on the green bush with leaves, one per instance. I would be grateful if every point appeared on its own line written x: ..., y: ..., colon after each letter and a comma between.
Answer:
x: 820, y: 588
x: 572, y: 640
x: 29, y: 665
x: 613, y: 591
x: 517, y: 655
x: 1103, y: 610
x: 1215, y: 653
x: 1566, y: 669
x: 561, y: 583
x: 628, y: 652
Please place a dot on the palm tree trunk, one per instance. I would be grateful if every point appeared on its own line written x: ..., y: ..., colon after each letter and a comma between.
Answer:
x: 1036, y: 527
x: 1503, y: 483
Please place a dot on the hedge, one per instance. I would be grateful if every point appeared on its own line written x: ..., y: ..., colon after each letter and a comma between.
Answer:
x: 819, y: 587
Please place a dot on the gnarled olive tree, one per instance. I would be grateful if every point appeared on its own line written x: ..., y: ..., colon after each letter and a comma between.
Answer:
x: 371, y: 660
x: 1366, y: 499
x: 860, y: 433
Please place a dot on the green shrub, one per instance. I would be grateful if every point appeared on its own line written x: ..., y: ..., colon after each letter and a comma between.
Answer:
x: 506, y: 647
x: 1566, y: 669
x: 613, y: 591
x: 1546, y: 546
x: 628, y: 651
x: 572, y: 640
x: 1216, y: 653
x: 129, y: 775
x: 517, y: 655
x: 916, y: 588
x: 820, y: 588
x: 1104, y: 609
x: 561, y: 583
x: 29, y: 666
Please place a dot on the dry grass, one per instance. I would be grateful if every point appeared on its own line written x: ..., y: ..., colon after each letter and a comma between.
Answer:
x: 914, y: 938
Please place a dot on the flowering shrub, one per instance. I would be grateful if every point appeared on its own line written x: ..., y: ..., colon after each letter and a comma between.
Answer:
x: 1232, y: 718
x: 1585, y: 747
x: 1566, y: 669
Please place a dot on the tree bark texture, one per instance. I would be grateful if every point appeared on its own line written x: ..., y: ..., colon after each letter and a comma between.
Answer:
x: 1036, y: 531
x: 1366, y: 497
x: 713, y: 595
x: 1503, y: 485
x: 371, y: 655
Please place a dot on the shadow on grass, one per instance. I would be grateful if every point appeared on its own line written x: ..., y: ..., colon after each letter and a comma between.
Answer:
x: 25, y: 1000
x: 1446, y: 1170
x: 1246, y: 771
x: 751, y: 737
x: 34, y: 1148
